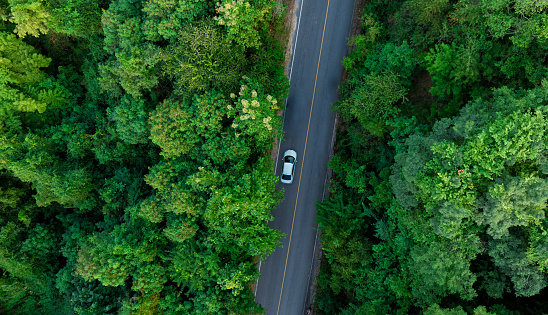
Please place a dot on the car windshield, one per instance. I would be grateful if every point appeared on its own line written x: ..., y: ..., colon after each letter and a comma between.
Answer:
x: 286, y: 177
x: 289, y: 159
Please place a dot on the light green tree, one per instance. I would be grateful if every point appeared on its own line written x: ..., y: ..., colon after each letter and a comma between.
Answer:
x: 172, y: 129
x: 255, y: 113
x: 243, y: 18
x: 20, y: 76
x: 31, y: 17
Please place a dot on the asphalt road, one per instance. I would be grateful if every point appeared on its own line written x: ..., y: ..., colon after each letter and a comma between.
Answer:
x: 316, y: 70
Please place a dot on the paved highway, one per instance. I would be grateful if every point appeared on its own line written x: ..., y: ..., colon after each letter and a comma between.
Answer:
x: 316, y: 70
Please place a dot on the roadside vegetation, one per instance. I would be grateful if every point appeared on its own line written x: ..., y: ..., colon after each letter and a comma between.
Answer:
x: 438, y: 202
x: 135, y: 169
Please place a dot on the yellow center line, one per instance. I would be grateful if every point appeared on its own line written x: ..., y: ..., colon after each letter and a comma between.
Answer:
x: 304, y: 155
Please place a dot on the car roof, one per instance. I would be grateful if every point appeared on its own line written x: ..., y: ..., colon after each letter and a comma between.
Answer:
x: 287, y: 168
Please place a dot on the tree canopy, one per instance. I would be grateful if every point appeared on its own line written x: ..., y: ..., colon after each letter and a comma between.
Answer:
x: 135, y: 169
x: 438, y: 201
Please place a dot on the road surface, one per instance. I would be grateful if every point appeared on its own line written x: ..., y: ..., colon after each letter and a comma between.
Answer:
x: 320, y: 44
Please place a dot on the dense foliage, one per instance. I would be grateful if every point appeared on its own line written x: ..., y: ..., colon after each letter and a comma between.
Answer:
x: 135, y: 173
x: 438, y: 204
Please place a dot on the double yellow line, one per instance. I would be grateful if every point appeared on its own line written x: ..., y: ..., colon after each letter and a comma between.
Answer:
x: 304, y: 155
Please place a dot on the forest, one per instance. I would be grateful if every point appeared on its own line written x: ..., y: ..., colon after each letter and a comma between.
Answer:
x: 135, y: 168
x: 438, y: 200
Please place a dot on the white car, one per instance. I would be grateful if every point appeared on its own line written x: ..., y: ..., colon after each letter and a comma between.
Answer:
x: 288, y: 169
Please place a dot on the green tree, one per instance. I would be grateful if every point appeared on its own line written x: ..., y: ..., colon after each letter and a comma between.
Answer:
x: 255, y: 114
x: 243, y: 18
x: 381, y: 59
x: 202, y: 59
x: 164, y: 19
x: 134, y: 63
x: 509, y: 255
x: 78, y: 18
x: 131, y: 120
x: 97, y: 261
x: 521, y: 20
x: 20, y: 78
x: 124, y: 187
x: 236, y: 277
x: 513, y: 201
x: 479, y: 167
x: 31, y: 17
x: 135, y: 70
x: 34, y: 162
x: 423, y: 22
x: 172, y: 129
x: 344, y: 248
x: 238, y: 212
x: 454, y: 69
x: 374, y: 102
x: 442, y: 268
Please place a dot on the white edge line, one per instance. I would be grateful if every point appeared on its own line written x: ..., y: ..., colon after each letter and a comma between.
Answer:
x: 283, y: 119
x: 257, y: 283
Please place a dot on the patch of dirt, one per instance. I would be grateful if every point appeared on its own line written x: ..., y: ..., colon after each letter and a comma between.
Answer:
x: 290, y: 23
x: 356, y: 27
x: 420, y: 91
x: 419, y: 95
